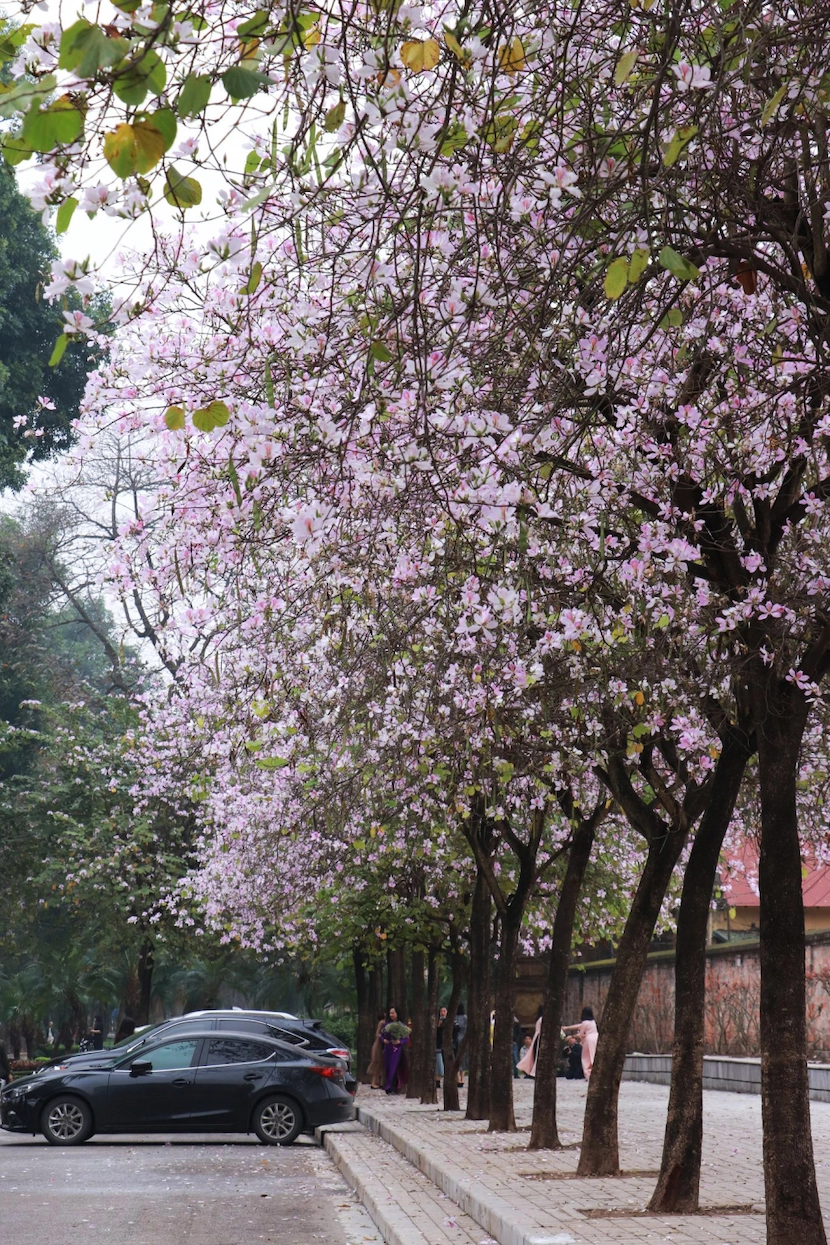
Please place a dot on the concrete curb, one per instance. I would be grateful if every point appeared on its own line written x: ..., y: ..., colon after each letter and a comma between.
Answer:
x: 401, y: 1215
x: 498, y: 1217
x: 392, y: 1224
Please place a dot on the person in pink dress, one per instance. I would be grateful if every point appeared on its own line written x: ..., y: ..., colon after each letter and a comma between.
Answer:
x: 586, y: 1034
x: 527, y: 1063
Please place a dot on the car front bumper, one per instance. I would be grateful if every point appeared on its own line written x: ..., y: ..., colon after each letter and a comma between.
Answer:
x: 18, y: 1115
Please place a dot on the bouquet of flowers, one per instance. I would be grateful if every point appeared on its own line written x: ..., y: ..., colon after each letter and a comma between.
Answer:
x: 396, y: 1031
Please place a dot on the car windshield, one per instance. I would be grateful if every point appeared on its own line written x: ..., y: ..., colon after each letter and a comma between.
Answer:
x: 138, y: 1038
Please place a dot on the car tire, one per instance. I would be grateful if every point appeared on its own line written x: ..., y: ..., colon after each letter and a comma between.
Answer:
x: 278, y: 1120
x: 66, y: 1121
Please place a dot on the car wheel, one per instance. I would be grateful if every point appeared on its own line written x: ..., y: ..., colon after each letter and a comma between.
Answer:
x: 277, y: 1121
x: 66, y: 1121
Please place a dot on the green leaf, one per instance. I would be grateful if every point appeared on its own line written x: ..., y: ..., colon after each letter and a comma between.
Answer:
x: 58, y: 352
x: 772, y: 105
x: 678, y: 143
x: 252, y: 284
x: 272, y: 762
x: 625, y: 65
x: 65, y: 214
x: 638, y: 264
x: 662, y: 622
x: 256, y: 26
x: 640, y: 729
x: 194, y: 95
x: 174, y: 417
x: 380, y: 352
x: 334, y: 117
x: 181, y: 191
x: 143, y: 73
x: 675, y: 317
x: 11, y: 96
x: 243, y: 83
x: 677, y: 265
x: 86, y: 48
x: 56, y: 126
x: 209, y: 417
x: 15, y: 150
x: 616, y: 278
x: 455, y: 138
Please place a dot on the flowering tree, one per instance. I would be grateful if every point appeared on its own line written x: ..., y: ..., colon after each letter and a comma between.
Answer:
x: 477, y: 274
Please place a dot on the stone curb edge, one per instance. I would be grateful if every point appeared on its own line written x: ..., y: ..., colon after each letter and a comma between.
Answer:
x: 379, y: 1214
x: 497, y: 1217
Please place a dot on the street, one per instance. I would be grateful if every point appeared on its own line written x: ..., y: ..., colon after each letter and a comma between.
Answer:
x: 196, y: 1190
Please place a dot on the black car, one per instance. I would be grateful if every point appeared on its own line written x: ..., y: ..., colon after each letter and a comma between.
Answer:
x: 229, y: 1082
x: 307, y: 1034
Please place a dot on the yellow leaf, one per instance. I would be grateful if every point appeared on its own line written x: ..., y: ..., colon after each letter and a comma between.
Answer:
x: 639, y: 698
x: 616, y: 278
x: 455, y: 47
x: 313, y: 37
x: 420, y: 54
x: 512, y: 55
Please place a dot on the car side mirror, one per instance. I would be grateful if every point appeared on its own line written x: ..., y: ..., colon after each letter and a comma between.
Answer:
x: 140, y: 1067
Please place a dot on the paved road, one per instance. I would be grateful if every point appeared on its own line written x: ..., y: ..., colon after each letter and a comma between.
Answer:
x: 174, y: 1191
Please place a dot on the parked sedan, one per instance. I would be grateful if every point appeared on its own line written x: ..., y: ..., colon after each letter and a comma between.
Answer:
x: 307, y: 1034
x: 203, y: 1082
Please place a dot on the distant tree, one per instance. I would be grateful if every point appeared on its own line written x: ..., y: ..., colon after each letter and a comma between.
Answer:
x: 37, y: 403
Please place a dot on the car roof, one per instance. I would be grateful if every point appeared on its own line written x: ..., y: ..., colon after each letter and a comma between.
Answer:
x: 243, y: 1037
x: 240, y: 1011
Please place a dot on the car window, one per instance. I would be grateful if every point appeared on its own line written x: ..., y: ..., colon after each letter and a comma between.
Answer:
x: 236, y: 1050
x: 244, y: 1026
x: 167, y: 1030
x: 172, y: 1055
x: 263, y: 1026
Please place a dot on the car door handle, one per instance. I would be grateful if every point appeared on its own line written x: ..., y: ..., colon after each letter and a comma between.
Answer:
x: 181, y: 1080
x: 252, y: 1076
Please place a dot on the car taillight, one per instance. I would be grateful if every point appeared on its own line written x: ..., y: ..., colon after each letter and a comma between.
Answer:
x: 327, y: 1070
x: 339, y: 1054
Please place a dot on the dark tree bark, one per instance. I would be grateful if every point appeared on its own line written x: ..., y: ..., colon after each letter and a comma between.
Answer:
x: 452, y: 1061
x: 678, y: 1185
x: 502, y: 1118
x: 422, y: 1039
x: 145, y: 966
x: 479, y: 1002
x: 15, y: 1039
x: 600, y: 1154
x: 365, y: 1014
x: 793, y: 1209
x: 396, y: 982
x: 544, y: 1133
x: 428, y: 1094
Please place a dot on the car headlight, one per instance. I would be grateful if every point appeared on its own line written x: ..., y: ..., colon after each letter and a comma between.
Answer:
x: 15, y: 1093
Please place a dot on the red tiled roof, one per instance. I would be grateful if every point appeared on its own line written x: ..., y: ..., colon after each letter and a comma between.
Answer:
x: 742, y: 880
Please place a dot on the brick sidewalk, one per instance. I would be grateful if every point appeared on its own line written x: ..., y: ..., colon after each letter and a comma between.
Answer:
x: 433, y: 1178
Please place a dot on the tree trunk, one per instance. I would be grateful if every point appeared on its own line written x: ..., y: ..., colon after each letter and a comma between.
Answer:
x: 396, y: 982
x: 679, y: 1183
x: 544, y: 1133
x: 502, y: 1119
x: 600, y: 1153
x: 793, y: 1210
x: 479, y: 1002
x: 451, y: 1063
x: 365, y: 1015
x: 146, y: 963
x: 428, y: 1094
x: 422, y: 1038
x: 15, y: 1040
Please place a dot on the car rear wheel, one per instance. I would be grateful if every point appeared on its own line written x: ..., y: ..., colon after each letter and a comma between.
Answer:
x: 66, y: 1121
x: 277, y: 1121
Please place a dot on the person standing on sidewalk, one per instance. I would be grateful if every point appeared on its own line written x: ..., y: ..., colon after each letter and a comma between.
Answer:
x: 459, y: 1030
x: 588, y: 1036
x: 527, y: 1063
x: 395, y: 1038
x: 439, y: 1047
x: 375, y: 1070
x: 518, y: 1040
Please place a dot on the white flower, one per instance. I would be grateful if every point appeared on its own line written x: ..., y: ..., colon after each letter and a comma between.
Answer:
x: 692, y: 77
